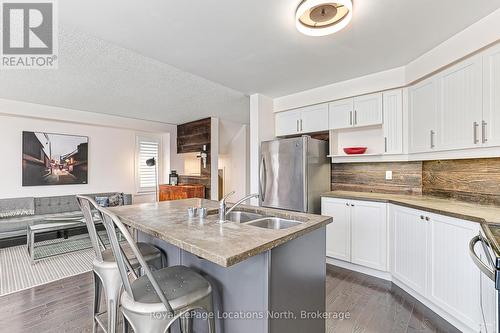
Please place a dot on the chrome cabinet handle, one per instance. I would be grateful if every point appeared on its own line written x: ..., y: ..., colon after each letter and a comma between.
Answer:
x: 479, y: 263
x: 350, y: 117
x: 483, y: 131
x: 432, y: 139
x: 385, y: 144
x: 475, y: 125
x: 301, y: 125
x: 355, y: 117
x: 297, y: 123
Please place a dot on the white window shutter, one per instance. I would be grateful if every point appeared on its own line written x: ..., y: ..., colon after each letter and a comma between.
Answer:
x: 146, y: 148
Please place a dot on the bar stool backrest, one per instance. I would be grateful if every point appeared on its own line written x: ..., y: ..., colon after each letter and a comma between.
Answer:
x: 112, y: 222
x: 88, y: 204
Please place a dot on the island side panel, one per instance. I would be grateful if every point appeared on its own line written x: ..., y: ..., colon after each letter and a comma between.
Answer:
x: 242, y: 288
x: 298, y: 283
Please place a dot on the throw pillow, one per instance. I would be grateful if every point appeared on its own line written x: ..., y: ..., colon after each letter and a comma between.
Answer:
x: 102, y: 201
x: 116, y: 200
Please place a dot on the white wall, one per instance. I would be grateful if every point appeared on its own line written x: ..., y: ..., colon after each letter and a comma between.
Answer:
x: 261, y: 129
x: 111, y: 147
x: 234, y: 157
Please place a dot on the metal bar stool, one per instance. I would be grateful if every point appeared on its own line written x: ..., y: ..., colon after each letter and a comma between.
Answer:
x: 105, y: 268
x: 151, y: 303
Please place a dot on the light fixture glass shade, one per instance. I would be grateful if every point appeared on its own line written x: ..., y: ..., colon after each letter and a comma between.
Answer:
x: 323, y: 17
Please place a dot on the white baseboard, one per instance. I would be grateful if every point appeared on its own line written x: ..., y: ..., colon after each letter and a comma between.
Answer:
x: 388, y: 276
x: 360, y: 269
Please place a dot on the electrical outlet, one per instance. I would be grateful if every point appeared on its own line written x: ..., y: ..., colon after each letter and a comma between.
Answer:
x: 388, y: 175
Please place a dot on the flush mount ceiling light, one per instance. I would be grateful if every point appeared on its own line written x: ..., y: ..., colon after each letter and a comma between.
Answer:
x: 323, y: 17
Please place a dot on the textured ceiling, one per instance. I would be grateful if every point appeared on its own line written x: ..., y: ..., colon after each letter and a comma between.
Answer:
x: 98, y: 76
x: 253, y: 46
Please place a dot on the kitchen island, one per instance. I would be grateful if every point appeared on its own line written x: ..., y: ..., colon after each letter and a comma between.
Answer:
x: 264, y: 280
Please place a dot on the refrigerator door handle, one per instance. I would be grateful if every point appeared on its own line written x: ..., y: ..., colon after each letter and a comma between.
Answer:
x: 262, y: 180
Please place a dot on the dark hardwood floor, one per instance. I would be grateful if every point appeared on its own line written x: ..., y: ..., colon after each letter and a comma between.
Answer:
x: 373, y: 306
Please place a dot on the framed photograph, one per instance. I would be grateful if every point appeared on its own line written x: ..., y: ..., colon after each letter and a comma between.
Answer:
x: 54, y: 159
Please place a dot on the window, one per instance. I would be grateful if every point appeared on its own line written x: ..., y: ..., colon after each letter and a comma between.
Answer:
x: 147, y: 147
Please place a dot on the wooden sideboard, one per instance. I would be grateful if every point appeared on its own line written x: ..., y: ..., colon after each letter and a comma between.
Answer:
x: 181, y: 191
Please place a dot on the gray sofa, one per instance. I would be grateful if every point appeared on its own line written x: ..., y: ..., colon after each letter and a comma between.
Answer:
x: 22, y: 212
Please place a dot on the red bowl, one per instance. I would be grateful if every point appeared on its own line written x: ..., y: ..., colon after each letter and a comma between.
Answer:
x: 355, y: 150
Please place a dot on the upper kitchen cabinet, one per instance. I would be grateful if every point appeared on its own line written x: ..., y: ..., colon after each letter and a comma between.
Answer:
x: 287, y: 123
x: 341, y: 113
x: 422, y: 122
x: 367, y: 110
x: 460, y: 106
x: 490, y: 126
x: 393, y: 121
x: 356, y: 112
x: 309, y: 119
x: 314, y: 118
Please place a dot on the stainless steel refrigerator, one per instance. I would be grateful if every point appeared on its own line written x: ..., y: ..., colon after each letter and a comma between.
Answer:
x: 294, y: 173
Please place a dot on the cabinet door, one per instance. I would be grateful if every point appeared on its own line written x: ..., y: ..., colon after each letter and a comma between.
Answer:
x: 368, y: 110
x: 408, y: 236
x: 491, y: 97
x: 314, y: 118
x: 393, y: 121
x: 341, y: 113
x: 454, y: 278
x: 460, y: 105
x: 422, y: 116
x: 369, y: 234
x: 287, y: 123
x: 338, y: 233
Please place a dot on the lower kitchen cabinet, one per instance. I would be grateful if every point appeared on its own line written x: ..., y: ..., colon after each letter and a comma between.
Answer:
x: 408, y: 234
x: 429, y: 255
x: 358, y: 233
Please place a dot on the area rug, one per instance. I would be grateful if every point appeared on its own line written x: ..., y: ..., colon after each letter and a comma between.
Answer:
x: 17, y: 273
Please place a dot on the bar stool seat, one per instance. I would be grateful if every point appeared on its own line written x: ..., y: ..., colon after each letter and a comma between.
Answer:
x: 182, y: 286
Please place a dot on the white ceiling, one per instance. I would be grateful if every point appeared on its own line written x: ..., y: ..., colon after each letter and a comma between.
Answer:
x: 98, y: 76
x: 180, y: 60
x: 253, y: 46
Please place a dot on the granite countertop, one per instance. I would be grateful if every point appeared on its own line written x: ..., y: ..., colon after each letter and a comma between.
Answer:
x: 226, y: 244
x: 454, y: 208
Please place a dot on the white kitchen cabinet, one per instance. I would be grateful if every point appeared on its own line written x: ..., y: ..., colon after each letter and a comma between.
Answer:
x: 409, y: 263
x: 369, y: 234
x: 491, y: 97
x: 341, y: 113
x: 358, y: 233
x: 314, y: 118
x: 454, y: 280
x: 460, y: 106
x: 287, y: 122
x: 393, y: 121
x: 422, y: 122
x: 304, y: 120
x: 338, y: 233
x: 368, y: 110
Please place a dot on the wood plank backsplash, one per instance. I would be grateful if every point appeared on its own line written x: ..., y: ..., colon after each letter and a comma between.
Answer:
x: 370, y: 177
x: 475, y: 180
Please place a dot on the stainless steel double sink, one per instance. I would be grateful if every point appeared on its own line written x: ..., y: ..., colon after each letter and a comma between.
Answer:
x: 261, y: 221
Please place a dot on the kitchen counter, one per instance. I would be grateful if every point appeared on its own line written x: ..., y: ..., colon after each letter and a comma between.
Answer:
x: 225, y: 244
x: 250, y: 268
x: 449, y: 207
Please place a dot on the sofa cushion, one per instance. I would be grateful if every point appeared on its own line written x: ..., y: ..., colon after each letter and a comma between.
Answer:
x: 17, y: 207
x: 115, y: 200
x: 53, y: 205
x: 102, y: 201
